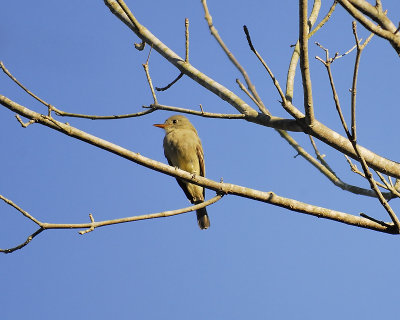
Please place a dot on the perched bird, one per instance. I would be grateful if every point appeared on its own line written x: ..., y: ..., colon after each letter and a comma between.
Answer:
x: 182, y: 148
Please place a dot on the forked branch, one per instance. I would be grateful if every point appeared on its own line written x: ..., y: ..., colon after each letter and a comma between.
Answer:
x: 97, y: 224
x: 219, y: 187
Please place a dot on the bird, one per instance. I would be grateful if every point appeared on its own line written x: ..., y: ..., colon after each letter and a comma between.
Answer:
x: 183, y: 149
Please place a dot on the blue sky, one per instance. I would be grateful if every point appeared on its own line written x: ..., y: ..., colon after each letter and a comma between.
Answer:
x: 256, y: 261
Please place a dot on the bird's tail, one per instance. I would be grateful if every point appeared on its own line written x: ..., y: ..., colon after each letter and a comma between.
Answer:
x: 202, y: 218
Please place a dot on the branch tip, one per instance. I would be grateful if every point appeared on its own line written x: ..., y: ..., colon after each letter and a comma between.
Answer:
x: 246, y: 31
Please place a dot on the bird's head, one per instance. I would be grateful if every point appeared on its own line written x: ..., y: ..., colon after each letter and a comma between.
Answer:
x: 176, y: 122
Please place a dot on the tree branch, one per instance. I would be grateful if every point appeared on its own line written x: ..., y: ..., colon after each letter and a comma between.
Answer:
x: 69, y: 114
x: 304, y: 62
x: 350, y: 136
x: 219, y: 187
x: 386, y: 29
x: 93, y: 225
x: 233, y: 59
x: 144, y: 34
x: 318, y: 130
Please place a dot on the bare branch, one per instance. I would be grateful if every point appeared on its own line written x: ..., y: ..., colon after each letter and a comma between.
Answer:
x: 187, y: 40
x: 374, y: 186
x: 304, y: 62
x: 146, y: 69
x: 273, y: 122
x: 327, y: 63
x: 170, y: 84
x: 318, y: 130
x: 323, y: 21
x: 296, y: 52
x: 223, y: 188
x: 68, y: 114
x: 8, y: 73
x: 201, y: 113
x: 233, y: 59
x: 274, y: 80
x: 388, y: 184
x: 327, y: 171
x: 92, y: 225
x: 320, y: 157
x: 351, y: 137
x: 123, y: 13
x: 24, y: 125
x: 242, y: 87
x: 23, y: 244
x: 385, y: 28
x: 24, y: 213
x: 96, y: 117
x: 360, y: 47
x: 373, y: 219
x: 91, y: 228
x: 186, y: 58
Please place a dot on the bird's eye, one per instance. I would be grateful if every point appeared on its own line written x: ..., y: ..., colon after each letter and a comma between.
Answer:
x: 174, y: 121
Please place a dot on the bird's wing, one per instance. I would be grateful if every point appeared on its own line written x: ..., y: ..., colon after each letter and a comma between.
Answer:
x: 200, y: 156
x: 182, y: 184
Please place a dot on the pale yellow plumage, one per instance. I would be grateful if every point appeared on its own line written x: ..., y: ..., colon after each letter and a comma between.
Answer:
x: 182, y: 148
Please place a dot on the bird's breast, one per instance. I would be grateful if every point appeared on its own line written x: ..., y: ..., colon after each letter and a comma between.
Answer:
x: 180, y: 148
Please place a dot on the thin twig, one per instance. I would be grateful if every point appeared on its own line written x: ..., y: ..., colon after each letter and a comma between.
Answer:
x: 62, y: 113
x: 24, y: 213
x: 327, y: 64
x: 244, y: 89
x: 89, y: 229
x: 24, y: 124
x: 326, y: 171
x: 319, y: 156
x: 335, y: 57
x: 96, y: 117
x: 374, y: 220
x: 202, y: 79
x: 351, y: 135
x: 187, y: 40
x: 296, y: 51
x: 389, y: 185
x: 23, y: 244
x: 274, y: 80
x: 92, y: 225
x: 360, y: 47
x: 8, y: 73
x: 170, y: 84
x: 233, y: 59
x: 146, y: 69
x: 304, y: 63
x: 186, y: 58
x: 140, y: 46
x: 324, y: 20
x: 385, y: 28
x: 195, y: 112
x: 355, y: 169
x: 129, y: 14
x: 374, y: 186
x: 391, y: 182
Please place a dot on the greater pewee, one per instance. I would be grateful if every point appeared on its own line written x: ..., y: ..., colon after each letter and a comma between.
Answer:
x: 182, y: 148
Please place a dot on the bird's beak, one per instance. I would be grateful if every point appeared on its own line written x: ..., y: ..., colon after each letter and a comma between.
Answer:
x: 162, y: 126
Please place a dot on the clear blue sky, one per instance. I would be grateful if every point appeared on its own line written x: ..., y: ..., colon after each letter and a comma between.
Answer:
x: 256, y: 261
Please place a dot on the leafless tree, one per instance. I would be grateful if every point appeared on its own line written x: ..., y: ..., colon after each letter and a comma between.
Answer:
x: 300, y: 118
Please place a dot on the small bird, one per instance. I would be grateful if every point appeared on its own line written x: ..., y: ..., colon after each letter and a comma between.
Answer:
x: 182, y: 148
